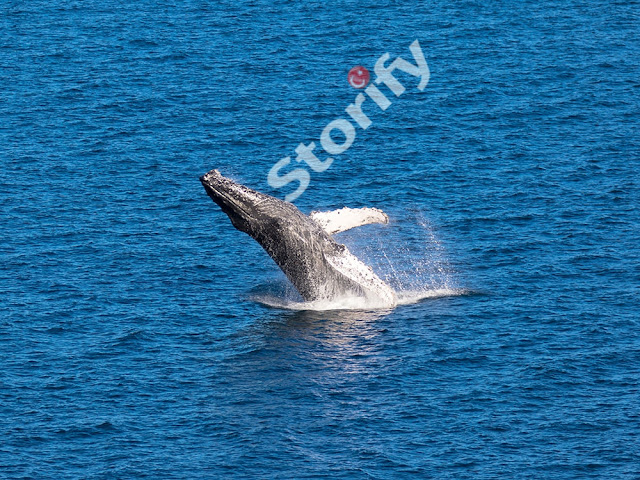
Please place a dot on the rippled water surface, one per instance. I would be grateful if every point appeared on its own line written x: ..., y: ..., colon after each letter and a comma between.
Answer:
x: 132, y: 336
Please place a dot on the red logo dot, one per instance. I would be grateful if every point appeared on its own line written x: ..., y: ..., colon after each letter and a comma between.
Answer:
x: 358, y: 77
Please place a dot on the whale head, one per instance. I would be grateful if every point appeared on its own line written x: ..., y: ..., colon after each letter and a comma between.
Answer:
x: 248, y: 210
x: 241, y: 204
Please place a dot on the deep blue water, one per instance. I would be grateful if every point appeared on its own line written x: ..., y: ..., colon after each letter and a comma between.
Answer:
x: 131, y: 342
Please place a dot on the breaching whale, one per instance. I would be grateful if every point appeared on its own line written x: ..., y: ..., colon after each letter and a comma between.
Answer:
x: 302, y: 245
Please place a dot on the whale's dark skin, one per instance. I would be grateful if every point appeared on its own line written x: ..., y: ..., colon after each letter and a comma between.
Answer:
x: 299, y: 246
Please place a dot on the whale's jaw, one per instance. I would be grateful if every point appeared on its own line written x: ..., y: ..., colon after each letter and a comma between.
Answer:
x: 236, y: 200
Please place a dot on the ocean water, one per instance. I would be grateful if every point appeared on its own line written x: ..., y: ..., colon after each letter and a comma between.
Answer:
x: 134, y: 337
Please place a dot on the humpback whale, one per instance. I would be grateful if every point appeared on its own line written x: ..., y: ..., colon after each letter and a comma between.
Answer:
x: 302, y: 245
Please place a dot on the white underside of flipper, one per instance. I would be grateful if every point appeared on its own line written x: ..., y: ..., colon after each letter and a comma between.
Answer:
x: 347, y: 218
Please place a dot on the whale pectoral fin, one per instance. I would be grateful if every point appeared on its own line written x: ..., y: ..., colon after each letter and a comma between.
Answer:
x: 347, y: 218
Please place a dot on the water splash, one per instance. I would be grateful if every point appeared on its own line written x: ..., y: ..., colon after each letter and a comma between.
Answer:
x: 415, y: 258
x: 407, y: 254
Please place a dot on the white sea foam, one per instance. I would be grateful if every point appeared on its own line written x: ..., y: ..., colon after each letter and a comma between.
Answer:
x: 347, y: 303
x: 407, y: 297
